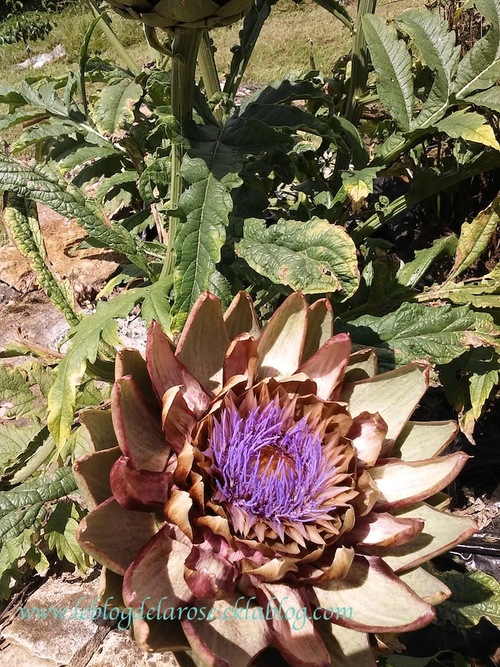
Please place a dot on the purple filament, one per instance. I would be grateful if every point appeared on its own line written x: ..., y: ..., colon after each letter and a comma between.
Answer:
x: 270, y: 471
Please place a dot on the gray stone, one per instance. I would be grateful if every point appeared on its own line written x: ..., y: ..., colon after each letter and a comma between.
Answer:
x: 17, y: 656
x: 119, y: 650
x: 59, y: 627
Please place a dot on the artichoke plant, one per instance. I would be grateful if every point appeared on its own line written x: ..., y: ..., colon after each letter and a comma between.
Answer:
x: 177, y: 15
x: 262, y: 492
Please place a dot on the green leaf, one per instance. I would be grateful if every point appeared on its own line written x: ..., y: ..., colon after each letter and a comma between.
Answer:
x: 482, y: 293
x: 22, y: 513
x: 23, y: 506
x: 313, y: 256
x: 16, y: 399
x: 337, y: 9
x: 211, y: 169
x: 37, y: 185
x: 252, y: 25
x: 115, y: 108
x: 436, y: 44
x: 486, y: 98
x: 358, y: 185
x: 14, y: 441
x: 60, y: 535
x: 284, y: 92
x: 84, y: 346
x: 475, y: 238
x: 480, y: 388
x: 156, y: 305
x: 39, y: 134
x: 474, y: 595
x: 154, y: 180
x: 392, y: 62
x: 480, y: 67
x: 288, y: 118
x: 470, y: 126
x: 11, y: 97
x: 20, y: 216
x: 411, y: 274
x: 18, y: 117
x: 417, y: 332
x: 110, y: 187
x: 79, y: 156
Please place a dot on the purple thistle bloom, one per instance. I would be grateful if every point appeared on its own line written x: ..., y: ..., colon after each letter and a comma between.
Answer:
x: 269, y: 466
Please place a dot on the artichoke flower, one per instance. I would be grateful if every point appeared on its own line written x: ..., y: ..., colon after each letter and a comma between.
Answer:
x: 178, y: 15
x: 256, y: 493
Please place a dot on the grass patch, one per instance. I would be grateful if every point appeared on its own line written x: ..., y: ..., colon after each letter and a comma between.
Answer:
x: 292, y: 35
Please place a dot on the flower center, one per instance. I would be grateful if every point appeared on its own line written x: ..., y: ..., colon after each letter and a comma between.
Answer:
x: 271, y: 470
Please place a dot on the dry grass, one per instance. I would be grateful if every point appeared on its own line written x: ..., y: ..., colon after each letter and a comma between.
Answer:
x: 291, y: 37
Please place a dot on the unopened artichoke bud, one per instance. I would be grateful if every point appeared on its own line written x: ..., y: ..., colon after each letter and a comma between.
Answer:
x: 178, y: 15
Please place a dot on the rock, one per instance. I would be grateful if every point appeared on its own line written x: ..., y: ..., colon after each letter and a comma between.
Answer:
x: 119, y: 649
x: 57, y: 630
x: 91, y: 266
x: 59, y: 625
x: 17, y: 656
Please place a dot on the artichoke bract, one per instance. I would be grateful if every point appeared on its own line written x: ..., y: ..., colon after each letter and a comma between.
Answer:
x: 264, y: 490
x: 179, y: 15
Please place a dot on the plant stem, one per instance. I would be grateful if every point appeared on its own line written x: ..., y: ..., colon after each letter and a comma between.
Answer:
x: 207, y: 65
x: 359, y: 77
x: 184, y: 52
x: 112, y: 38
x: 359, y: 64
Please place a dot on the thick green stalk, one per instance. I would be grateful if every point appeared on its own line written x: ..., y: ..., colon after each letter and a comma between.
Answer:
x: 113, y: 39
x: 184, y: 53
x: 359, y: 64
x: 359, y: 77
x: 208, y: 68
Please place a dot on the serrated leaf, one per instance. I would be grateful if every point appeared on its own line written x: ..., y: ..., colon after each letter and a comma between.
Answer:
x: 417, y: 332
x: 22, y: 512
x: 39, y: 134
x: 115, y: 108
x: 436, y: 44
x: 60, y: 535
x: 18, y: 117
x: 12, y: 97
x: 358, y: 185
x: 156, y: 305
x: 20, y: 216
x: 392, y: 62
x: 287, y: 118
x: 36, y: 185
x: 16, y: 398
x: 475, y: 237
x: 252, y: 25
x: 211, y: 169
x: 474, y: 595
x: 480, y: 388
x: 14, y: 441
x: 154, y: 181
x: 11, y: 554
x: 283, y: 92
x: 79, y: 156
x: 480, y: 67
x: 84, y: 347
x: 410, y: 274
x: 470, y: 126
x: 23, y: 506
x: 486, y: 98
x: 313, y: 256
x: 109, y: 186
